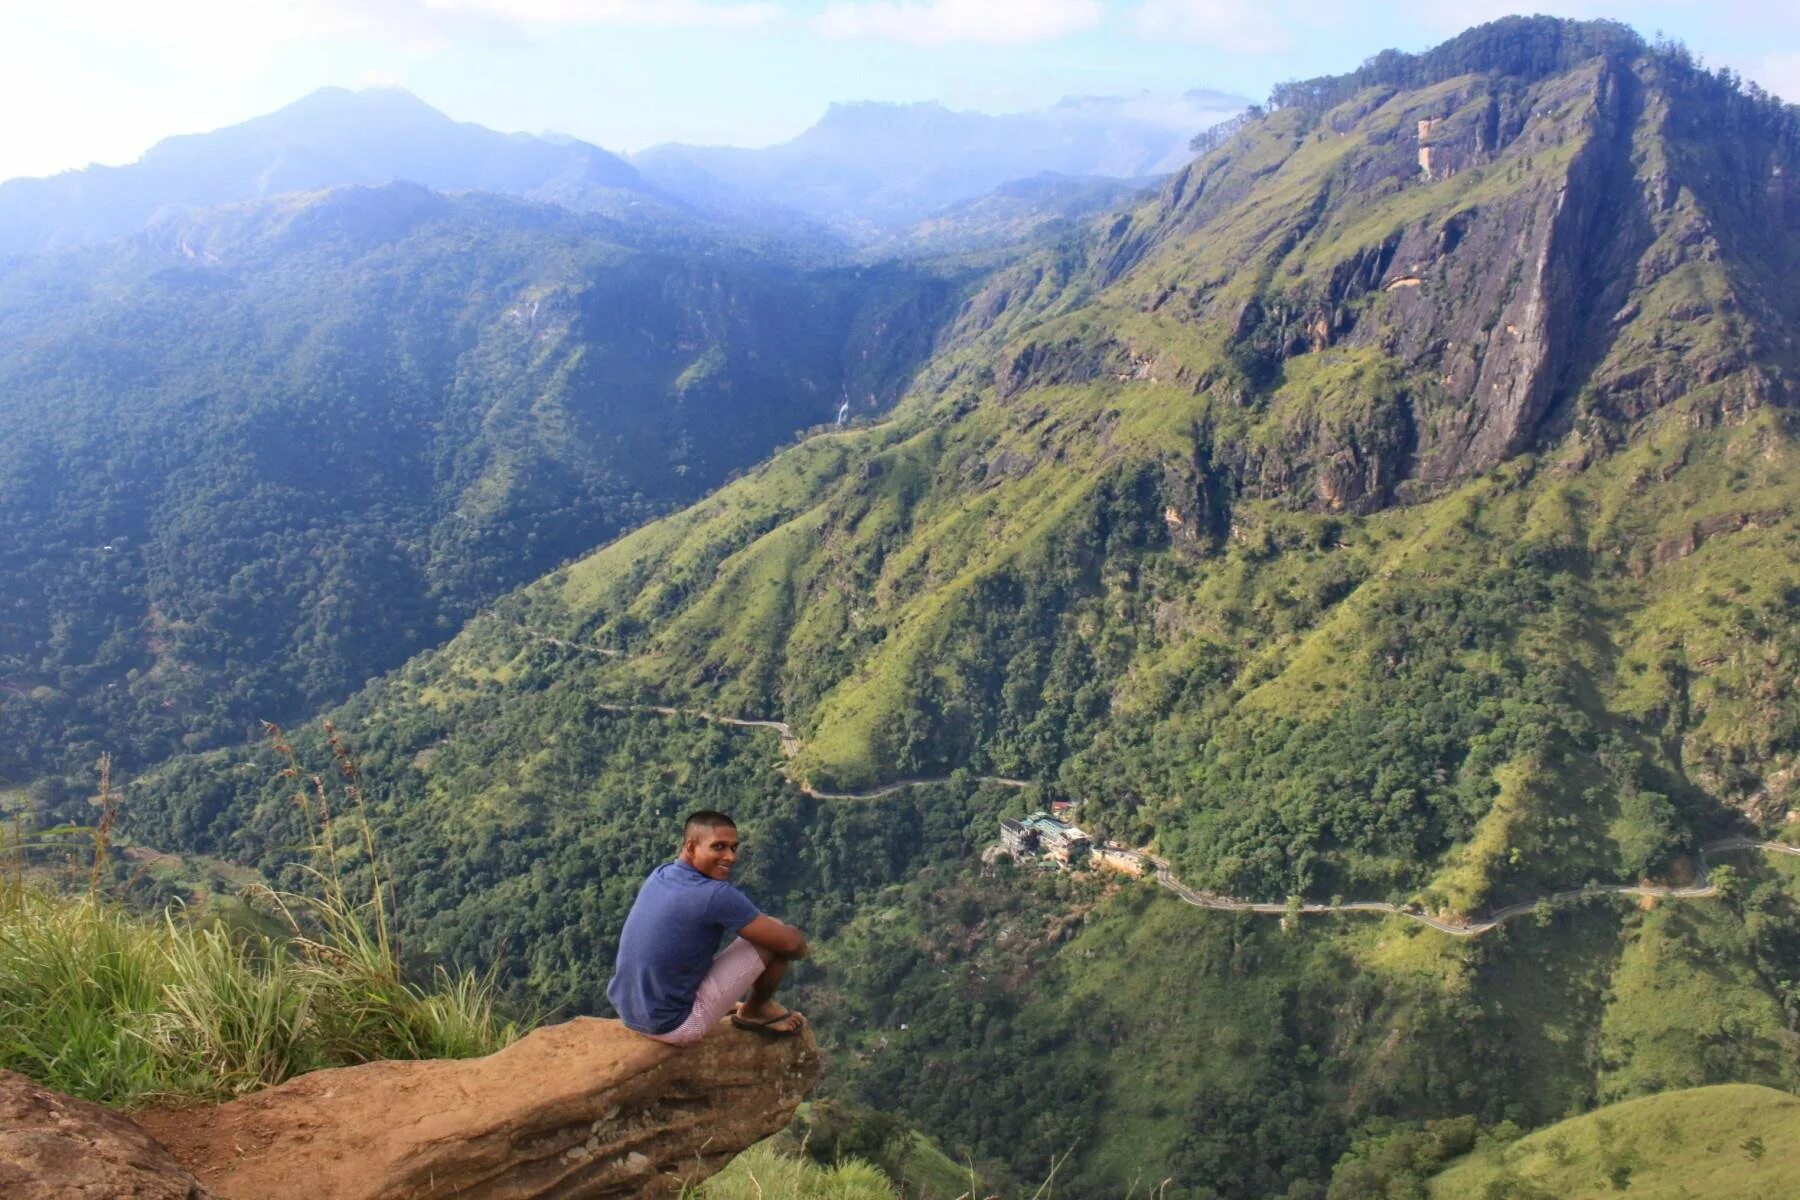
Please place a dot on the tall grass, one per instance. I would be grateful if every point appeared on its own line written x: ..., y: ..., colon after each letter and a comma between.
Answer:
x: 110, y: 1005
x: 126, y: 1008
x: 763, y: 1173
x: 779, y: 1168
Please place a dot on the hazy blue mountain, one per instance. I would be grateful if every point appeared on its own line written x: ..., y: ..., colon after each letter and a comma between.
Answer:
x: 250, y: 457
x: 329, y: 138
x: 869, y: 169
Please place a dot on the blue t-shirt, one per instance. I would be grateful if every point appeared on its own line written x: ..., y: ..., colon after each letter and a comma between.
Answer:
x: 669, y: 942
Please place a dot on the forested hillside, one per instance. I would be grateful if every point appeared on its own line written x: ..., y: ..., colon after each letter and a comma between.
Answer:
x: 252, y: 458
x: 1400, y: 505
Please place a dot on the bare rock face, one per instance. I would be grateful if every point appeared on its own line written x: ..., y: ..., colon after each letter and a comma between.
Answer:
x: 56, y: 1148
x: 582, y: 1109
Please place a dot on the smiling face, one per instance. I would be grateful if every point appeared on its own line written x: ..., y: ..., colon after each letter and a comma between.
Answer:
x: 711, y: 850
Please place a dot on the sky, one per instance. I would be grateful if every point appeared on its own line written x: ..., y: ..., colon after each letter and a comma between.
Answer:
x: 87, y: 81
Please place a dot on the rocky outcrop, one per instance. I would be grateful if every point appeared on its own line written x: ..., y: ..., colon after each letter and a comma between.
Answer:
x: 1054, y: 363
x: 1707, y: 528
x: 583, y: 1109
x: 1529, y: 255
x: 56, y: 1148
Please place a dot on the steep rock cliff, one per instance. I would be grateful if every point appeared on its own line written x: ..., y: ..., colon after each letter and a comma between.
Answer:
x: 1520, y: 255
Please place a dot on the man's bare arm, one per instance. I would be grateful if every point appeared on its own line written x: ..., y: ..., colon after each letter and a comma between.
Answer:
x: 776, y: 936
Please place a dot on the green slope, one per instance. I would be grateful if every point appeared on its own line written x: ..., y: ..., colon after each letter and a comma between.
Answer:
x: 1733, y: 1142
x: 1154, y: 554
x: 1150, y: 1040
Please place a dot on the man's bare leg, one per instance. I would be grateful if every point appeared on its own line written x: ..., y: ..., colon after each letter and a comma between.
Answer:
x: 760, y: 1005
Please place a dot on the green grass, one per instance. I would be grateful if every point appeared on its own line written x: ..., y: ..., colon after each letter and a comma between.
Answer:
x: 925, y: 1171
x: 764, y: 1173
x: 1730, y: 1142
x: 113, y: 1006
x: 1689, y: 1008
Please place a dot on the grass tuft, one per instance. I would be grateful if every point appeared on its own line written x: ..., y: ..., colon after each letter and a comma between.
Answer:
x: 763, y: 1173
x: 108, y: 1005
x: 125, y: 1008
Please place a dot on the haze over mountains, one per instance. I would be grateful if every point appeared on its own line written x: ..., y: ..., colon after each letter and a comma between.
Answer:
x: 233, y: 295
x: 869, y: 169
x: 330, y: 138
x: 863, y: 171
x: 1397, y: 505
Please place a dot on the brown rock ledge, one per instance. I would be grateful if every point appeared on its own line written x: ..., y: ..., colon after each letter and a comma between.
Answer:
x: 53, y: 1147
x: 582, y: 1109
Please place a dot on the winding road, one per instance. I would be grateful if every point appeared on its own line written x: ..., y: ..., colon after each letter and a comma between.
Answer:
x: 791, y: 744
x: 1470, y: 928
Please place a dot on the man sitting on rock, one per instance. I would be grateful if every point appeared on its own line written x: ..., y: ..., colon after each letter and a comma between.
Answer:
x: 668, y: 984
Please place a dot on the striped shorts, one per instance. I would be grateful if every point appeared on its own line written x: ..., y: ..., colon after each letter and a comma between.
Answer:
x: 733, y: 971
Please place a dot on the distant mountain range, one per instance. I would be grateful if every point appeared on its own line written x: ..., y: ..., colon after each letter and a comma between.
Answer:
x: 865, y: 170
x: 1019, y: 210
x: 868, y: 170
x: 547, y: 374
x: 329, y: 138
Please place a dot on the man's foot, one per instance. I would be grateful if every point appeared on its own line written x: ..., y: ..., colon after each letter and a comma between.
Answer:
x: 769, y: 1021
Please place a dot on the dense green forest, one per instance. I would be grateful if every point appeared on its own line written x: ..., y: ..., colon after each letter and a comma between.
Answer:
x: 1398, y: 506
x: 252, y: 459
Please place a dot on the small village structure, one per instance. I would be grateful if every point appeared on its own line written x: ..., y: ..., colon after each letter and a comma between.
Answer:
x: 1018, y: 840
x: 1041, y: 833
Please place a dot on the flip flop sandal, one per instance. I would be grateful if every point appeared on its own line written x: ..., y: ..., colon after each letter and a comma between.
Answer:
x: 766, y: 1028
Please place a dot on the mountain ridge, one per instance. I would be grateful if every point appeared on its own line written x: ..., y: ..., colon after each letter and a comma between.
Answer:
x: 336, y: 136
x: 330, y: 137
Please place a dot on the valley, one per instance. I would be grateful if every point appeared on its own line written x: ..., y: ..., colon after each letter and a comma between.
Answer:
x: 468, y: 421
x: 1454, y: 924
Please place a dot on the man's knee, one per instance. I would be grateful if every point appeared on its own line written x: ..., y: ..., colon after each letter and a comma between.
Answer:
x: 767, y: 955
x: 687, y: 1035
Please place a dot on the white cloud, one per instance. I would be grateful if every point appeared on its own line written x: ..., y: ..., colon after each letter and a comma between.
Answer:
x: 1237, y: 25
x: 1183, y: 113
x: 225, y: 40
x: 939, y: 22
x: 639, y: 13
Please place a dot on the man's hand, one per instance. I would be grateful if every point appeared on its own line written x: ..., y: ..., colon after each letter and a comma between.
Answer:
x: 776, y: 937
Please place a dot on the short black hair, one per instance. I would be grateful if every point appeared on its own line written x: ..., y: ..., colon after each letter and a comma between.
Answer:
x: 700, y: 822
